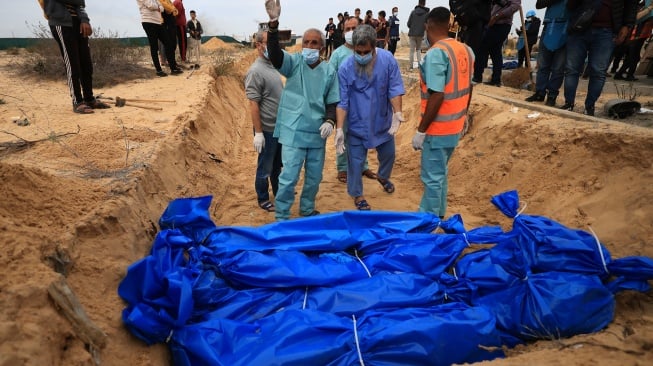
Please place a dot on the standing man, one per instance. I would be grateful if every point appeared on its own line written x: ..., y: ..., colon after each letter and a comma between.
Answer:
x: 263, y: 88
x: 357, y: 15
x: 371, y: 90
x: 472, y: 16
x: 446, y: 90
x: 195, y: 30
x: 336, y: 60
x: 306, y: 115
x: 594, y: 40
x: 394, y: 30
x: 181, y: 28
x: 329, y: 30
x: 382, y: 31
x: 416, y: 29
x: 496, y: 34
x: 70, y: 27
x: 532, y: 25
x: 551, y: 52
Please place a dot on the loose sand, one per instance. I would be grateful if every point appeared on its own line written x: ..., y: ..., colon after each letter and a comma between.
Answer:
x: 92, y: 198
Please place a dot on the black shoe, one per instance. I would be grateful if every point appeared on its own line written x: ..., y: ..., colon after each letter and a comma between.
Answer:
x: 537, y: 97
x: 589, y: 111
x: 161, y: 74
x: 630, y: 78
x: 567, y: 106
x: 476, y: 81
x: 176, y: 71
x: 493, y: 83
x: 550, y: 101
x: 618, y: 77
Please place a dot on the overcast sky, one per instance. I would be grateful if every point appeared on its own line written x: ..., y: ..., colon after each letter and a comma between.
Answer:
x: 237, y: 18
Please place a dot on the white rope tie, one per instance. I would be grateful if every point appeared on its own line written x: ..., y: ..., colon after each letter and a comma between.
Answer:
x: 454, y: 274
x: 305, y: 298
x: 598, y: 244
x: 358, y: 347
x: 169, y: 336
x: 522, y: 210
x: 363, y: 264
x: 466, y: 240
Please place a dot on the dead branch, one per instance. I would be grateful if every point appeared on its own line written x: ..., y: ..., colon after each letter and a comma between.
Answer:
x: 66, y: 301
x: 23, y: 143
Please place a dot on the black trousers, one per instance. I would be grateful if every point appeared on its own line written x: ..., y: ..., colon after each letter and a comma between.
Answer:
x: 392, y: 45
x: 155, y: 33
x: 491, y: 45
x: 77, y: 61
x: 633, y: 50
x: 521, y: 55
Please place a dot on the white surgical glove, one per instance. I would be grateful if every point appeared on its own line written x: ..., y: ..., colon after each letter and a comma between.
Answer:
x: 397, y: 118
x: 340, y: 141
x: 418, y: 140
x: 273, y: 7
x: 259, y: 142
x: 326, y: 130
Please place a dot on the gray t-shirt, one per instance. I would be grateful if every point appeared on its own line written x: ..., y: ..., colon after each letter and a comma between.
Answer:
x: 263, y: 85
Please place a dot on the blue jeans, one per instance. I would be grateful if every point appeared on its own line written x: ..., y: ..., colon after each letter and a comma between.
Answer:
x: 357, y: 163
x: 550, y: 71
x: 434, y: 171
x: 294, y: 158
x: 596, y: 45
x: 268, y: 167
x: 492, y: 45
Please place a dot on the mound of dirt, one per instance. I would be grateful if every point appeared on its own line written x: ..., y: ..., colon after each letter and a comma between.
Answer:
x: 85, y: 205
x: 216, y: 43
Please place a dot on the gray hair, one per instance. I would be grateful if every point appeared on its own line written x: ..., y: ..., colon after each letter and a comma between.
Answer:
x: 315, y: 30
x: 364, y: 35
x: 259, y: 36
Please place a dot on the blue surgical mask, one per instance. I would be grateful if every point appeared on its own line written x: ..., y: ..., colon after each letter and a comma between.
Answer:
x: 349, y: 37
x: 363, y: 60
x: 310, y: 55
x: 265, y: 53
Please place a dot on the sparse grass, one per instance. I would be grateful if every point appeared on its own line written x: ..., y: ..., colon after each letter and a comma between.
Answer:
x: 13, y: 51
x: 113, y: 62
x: 223, y: 64
x: 627, y: 92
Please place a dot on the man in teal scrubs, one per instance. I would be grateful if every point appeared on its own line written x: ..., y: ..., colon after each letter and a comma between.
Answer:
x: 306, y: 115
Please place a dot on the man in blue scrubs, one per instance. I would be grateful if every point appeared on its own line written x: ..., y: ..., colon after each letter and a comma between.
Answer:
x: 371, y: 89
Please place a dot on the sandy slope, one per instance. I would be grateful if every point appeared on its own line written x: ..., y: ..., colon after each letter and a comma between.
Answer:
x: 92, y: 199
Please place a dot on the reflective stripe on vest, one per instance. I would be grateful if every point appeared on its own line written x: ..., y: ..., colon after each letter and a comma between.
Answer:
x: 451, y: 115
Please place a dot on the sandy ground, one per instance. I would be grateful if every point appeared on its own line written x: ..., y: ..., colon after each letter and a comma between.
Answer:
x: 82, y: 195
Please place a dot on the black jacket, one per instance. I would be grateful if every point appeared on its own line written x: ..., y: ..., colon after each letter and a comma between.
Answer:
x: 190, y: 27
x: 623, y: 12
x: 58, y: 14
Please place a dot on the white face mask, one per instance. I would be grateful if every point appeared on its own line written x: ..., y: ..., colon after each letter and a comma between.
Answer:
x: 395, y: 14
x: 349, y: 37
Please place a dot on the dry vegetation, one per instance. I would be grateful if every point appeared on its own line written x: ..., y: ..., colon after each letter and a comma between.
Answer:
x: 113, y: 61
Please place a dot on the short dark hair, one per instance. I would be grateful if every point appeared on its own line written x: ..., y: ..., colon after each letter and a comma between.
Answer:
x: 382, y: 13
x: 192, y: 11
x: 439, y: 15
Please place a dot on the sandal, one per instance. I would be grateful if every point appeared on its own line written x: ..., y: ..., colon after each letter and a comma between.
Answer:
x: 387, y: 185
x: 97, y: 104
x: 369, y: 174
x: 342, y: 176
x: 83, y: 108
x: 267, y: 206
x: 362, y: 205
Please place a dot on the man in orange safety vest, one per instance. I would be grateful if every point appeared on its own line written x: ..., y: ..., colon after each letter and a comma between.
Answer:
x: 446, y: 90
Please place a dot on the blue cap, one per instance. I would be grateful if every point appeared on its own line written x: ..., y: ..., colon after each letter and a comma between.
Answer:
x: 530, y: 13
